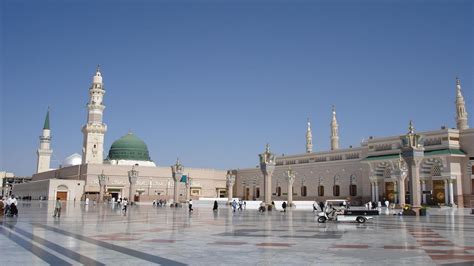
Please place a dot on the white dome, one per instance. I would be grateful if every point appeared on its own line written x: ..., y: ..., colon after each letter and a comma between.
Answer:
x: 73, y: 159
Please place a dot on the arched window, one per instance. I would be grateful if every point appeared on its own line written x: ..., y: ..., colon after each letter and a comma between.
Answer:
x: 321, y: 191
x: 335, y: 190
x: 278, y: 192
x: 303, y: 191
x: 257, y: 192
x: 353, y: 190
x: 436, y: 170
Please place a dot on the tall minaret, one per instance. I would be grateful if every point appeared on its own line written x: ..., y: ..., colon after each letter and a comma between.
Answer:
x: 44, y: 152
x: 461, y: 114
x: 334, y: 131
x: 94, y: 130
x: 309, y: 138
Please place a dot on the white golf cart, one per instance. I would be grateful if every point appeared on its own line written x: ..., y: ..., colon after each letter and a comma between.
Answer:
x: 338, y: 210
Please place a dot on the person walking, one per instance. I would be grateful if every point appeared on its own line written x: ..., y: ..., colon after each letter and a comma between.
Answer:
x: 191, y: 205
x: 124, y: 206
x: 214, y: 208
x: 240, y: 205
x: 57, y: 208
x: 315, y: 206
x: 283, y: 205
x: 234, y: 205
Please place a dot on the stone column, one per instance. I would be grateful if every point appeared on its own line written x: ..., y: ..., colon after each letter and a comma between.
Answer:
x: 102, y: 184
x: 401, y: 191
x: 132, y: 178
x: 395, y: 190
x: 290, y: 175
x: 372, y: 191
x: 176, y: 172
x: 415, y: 190
x: 267, y: 166
x: 423, y: 188
x: 451, y: 192
x: 446, y: 194
x: 376, y: 191
x: 413, y: 153
x: 230, y: 180
x: 188, y: 188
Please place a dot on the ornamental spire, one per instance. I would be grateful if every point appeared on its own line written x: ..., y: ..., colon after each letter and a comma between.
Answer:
x: 46, y: 120
x: 461, y: 114
x: 97, y: 78
x: 411, y: 128
x: 334, y: 130
x: 309, y: 138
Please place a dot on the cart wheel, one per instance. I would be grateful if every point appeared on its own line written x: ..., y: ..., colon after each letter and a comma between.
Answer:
x: 321, y: 219
x: 361, y: 219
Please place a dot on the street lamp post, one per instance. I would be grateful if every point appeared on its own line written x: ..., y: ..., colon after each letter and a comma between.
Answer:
x: 230, y: 181
x: 132, y: 178
x: 102, y: 183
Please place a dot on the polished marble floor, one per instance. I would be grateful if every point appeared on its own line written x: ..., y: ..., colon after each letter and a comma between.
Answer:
x: 102, y: 235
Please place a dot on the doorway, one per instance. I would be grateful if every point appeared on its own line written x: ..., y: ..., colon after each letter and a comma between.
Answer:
x: 390, y: 191
x: 438, y: 192
x: 62, y: 195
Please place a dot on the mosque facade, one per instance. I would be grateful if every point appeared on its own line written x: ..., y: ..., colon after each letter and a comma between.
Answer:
x: 432, y: 167
x: 126, y: 172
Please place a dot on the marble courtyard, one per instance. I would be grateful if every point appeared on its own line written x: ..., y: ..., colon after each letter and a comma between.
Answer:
x: 101, y: 234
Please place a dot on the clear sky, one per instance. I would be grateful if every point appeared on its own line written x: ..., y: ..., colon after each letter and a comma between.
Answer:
x: 213, y: 81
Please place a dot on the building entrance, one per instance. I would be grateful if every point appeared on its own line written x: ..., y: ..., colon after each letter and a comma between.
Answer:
x: 115, y: 193
x: 62, y: 195
x: 438, y: 191
x: 390, y: 191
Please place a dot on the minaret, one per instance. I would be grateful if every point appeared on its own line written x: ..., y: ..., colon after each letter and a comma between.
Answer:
x: 309, y: 138
x: 94, y: 130
x: 461, y: 114
x: 44, y: 152
x: 334, y: 131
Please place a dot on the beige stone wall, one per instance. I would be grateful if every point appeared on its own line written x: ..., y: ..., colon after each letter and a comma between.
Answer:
x: 70, y: 172
x: 309, y: 175
x: 160, y: 178
x: 48, y: 188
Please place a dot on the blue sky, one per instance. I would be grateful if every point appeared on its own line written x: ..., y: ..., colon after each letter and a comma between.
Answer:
x: 213, y: 81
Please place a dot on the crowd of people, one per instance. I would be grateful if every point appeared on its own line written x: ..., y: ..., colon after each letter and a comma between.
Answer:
x: 9, y: 206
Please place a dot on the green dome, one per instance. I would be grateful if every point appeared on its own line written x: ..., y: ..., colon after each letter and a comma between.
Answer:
x: 129, y: 147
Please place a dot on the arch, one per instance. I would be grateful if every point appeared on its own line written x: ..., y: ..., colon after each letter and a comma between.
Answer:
x: 432, y: 167
x: 353, y: 179
x: 387, y: 172
x: 353, y: 185
x: 62, y: 188
x: 278, y: 191
x: 435, y: 170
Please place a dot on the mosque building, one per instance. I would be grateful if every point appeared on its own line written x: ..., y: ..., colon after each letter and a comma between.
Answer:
x: 432, y: 167
x: 126, y: 172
